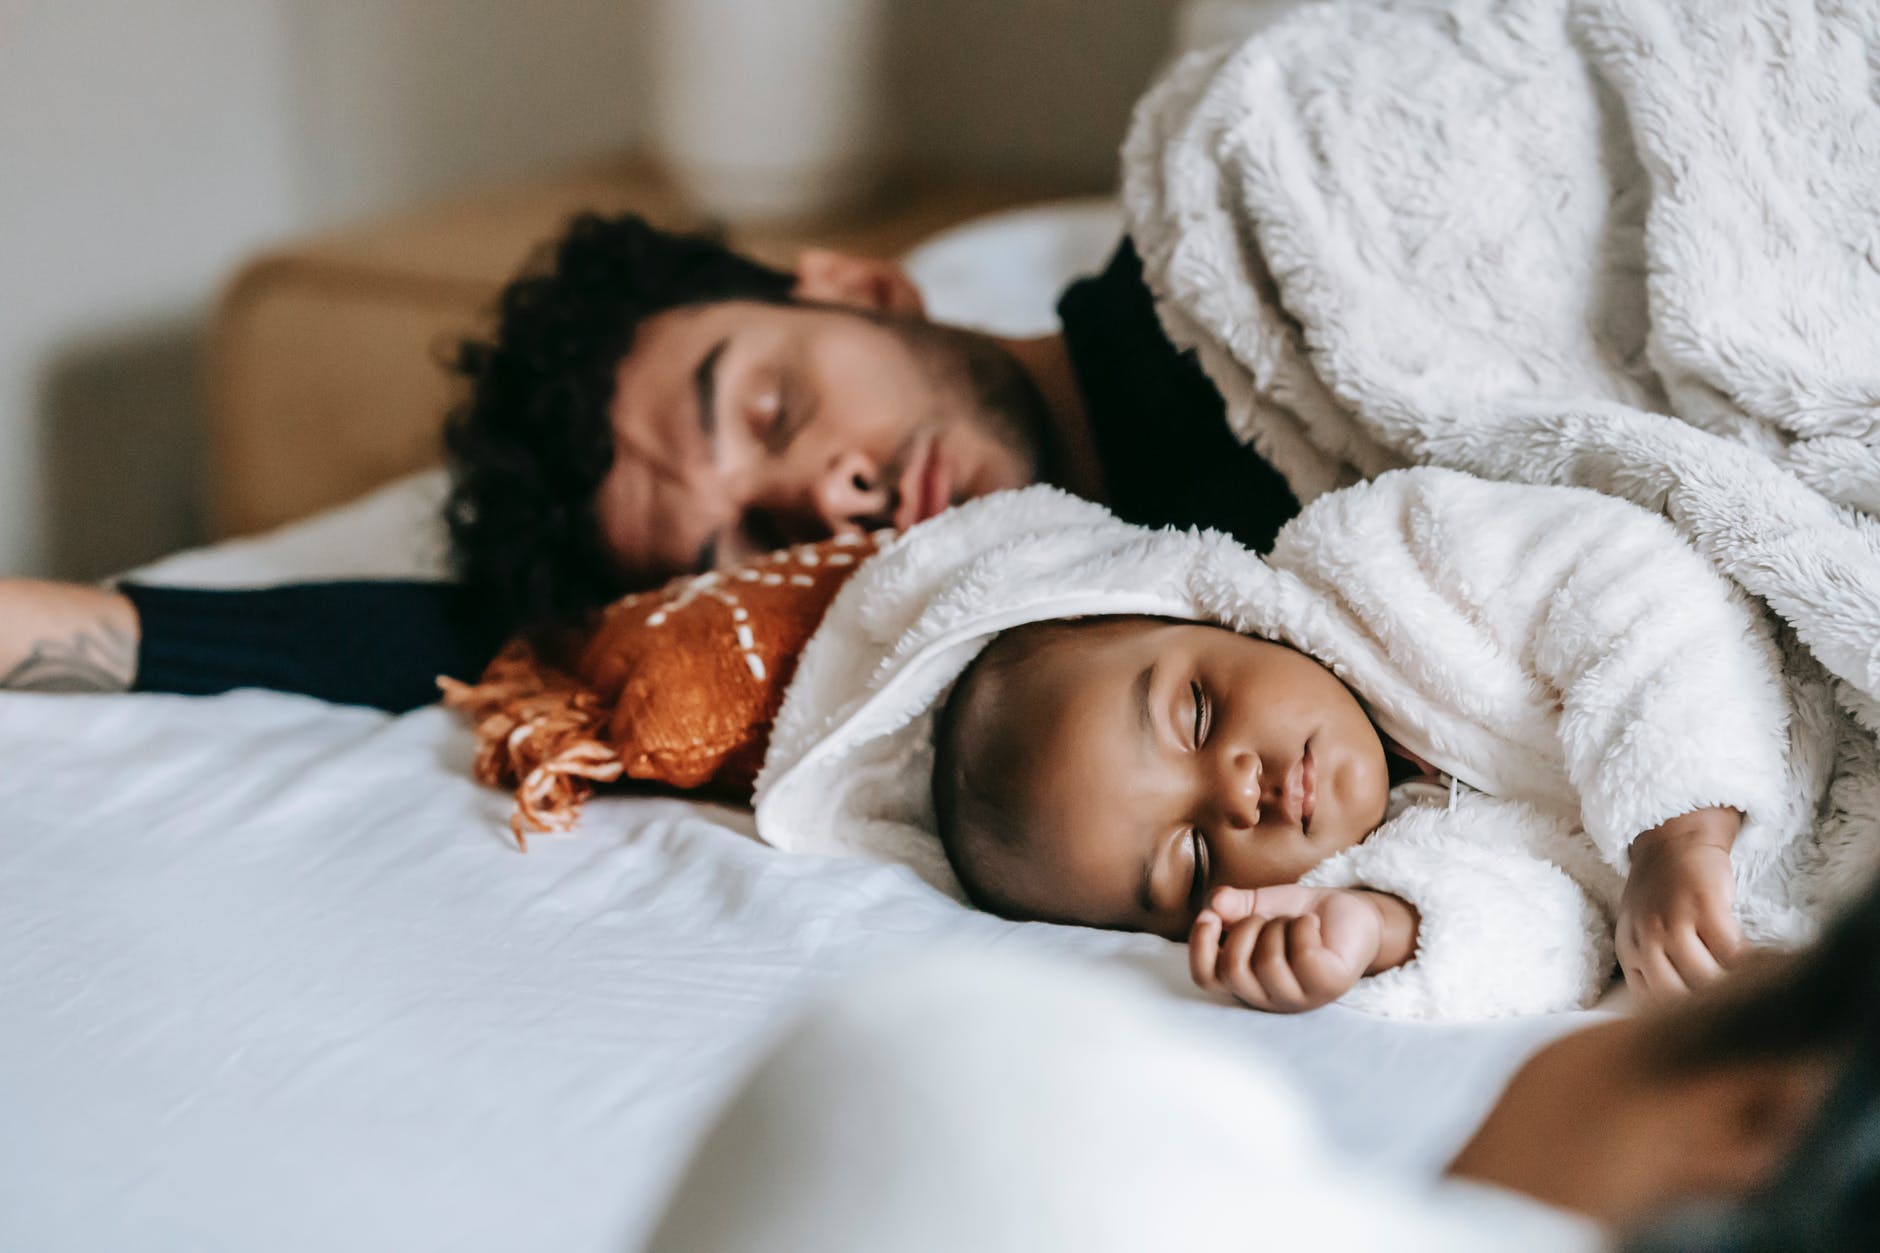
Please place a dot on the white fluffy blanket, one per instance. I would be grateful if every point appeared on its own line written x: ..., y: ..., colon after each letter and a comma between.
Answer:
x: 1627, y: 244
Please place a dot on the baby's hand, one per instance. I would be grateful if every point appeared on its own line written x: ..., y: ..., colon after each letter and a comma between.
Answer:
x: 1677, y: 920
x: 1284, y: 949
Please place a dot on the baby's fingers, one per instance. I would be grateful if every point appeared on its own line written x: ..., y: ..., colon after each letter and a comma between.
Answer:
x: 1232, y: 905
x: 1652, y: 974
x: 1204, y: 951
x: 1272, y: 965
x: 1323, y: 972
x: 1722, y: 935
x: 1280, y: 901
x: 1692, y: 959
x: 1235, y: 970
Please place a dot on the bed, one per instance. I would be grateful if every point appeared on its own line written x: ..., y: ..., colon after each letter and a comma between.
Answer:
x: 273, y: 976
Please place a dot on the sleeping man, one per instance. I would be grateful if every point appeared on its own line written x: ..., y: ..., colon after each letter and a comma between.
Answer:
x: 652, y: 404
x: 1423, y: 757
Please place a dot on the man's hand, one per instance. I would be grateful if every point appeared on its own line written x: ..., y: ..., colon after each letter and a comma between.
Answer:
x: 1677, y: 920
x: 65, y: 637
x: 1291, y: 948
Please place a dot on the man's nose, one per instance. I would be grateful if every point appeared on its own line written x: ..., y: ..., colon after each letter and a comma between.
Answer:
x: 850, y: 495
x: 1237, y: 789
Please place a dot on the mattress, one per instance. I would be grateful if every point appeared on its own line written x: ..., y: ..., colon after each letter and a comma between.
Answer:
x: 273, y: 976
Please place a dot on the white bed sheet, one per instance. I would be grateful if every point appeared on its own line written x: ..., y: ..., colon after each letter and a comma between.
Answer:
x: 272, y: 976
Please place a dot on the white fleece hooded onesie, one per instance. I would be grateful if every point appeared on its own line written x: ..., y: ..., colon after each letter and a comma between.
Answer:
x: 1564, y: 655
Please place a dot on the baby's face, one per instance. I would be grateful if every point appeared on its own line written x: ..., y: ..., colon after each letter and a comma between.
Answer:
x: 1170, y: 759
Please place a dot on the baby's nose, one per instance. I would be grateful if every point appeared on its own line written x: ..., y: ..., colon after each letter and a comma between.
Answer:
x: 1240, y: 790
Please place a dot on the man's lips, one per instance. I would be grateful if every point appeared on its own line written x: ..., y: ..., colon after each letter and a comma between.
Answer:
x: 922, y: 491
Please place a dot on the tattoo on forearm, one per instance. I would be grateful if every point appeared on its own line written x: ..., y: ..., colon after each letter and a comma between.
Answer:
x: 103, y: 659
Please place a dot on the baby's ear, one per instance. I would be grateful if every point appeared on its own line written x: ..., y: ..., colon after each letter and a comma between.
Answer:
x: 868, y: 283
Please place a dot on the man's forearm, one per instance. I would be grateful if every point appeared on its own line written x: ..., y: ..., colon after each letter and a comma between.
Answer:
x: 65, y: 637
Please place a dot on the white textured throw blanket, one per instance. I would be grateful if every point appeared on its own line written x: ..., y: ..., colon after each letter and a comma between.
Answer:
x: 1628, y: 244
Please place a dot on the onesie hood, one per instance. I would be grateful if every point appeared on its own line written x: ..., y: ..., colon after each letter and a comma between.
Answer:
x: 849, y: 769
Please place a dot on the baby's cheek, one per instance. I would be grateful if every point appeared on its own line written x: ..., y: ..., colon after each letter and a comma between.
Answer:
x: 1361, y: 787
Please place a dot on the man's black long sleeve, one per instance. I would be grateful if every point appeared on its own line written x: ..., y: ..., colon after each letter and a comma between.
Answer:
x: 1160, y: 426
x: 367, y: 642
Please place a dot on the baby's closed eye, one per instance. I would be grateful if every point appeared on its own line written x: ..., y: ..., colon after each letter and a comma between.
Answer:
x: 1198, y: 888
x: 1200, y: 713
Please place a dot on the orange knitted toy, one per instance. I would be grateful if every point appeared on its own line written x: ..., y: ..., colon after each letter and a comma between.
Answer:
x: 676, y: 686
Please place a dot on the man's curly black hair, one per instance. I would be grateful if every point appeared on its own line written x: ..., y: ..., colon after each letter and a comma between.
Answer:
x: 530, y: 446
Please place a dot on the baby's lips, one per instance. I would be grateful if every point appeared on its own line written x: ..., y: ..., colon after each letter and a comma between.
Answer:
x: 1309, y: 799
x: 1292, y: 792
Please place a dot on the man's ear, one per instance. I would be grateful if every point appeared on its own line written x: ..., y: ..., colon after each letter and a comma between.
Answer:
x: 869, y: 283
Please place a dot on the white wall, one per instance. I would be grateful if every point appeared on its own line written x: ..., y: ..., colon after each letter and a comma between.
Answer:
x: 1024, y: 85
x: 147, y: 146
x: 399, y: 100
x: 140, y: 154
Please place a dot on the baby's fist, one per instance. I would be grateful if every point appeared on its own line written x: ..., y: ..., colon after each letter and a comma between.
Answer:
x: 1284, y: 949
x: 1677, y: 926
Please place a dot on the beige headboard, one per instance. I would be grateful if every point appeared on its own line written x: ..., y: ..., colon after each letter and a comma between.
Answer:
x: 325, y: 374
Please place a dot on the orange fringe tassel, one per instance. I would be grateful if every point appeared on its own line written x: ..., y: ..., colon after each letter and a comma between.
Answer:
x: 540, y: 731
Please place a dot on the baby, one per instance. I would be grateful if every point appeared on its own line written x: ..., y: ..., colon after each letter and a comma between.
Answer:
x: 1451, y: 744
x: 1178, y: 778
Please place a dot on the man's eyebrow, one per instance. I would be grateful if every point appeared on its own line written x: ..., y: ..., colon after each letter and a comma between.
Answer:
x: 705, y: 384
